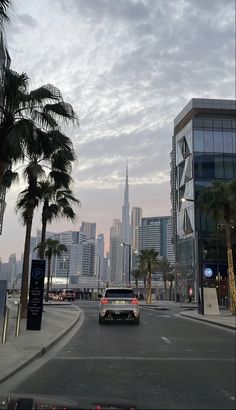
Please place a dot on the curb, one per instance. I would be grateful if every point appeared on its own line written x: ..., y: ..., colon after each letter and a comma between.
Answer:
x: 207, y: 321
x: 42, y: 351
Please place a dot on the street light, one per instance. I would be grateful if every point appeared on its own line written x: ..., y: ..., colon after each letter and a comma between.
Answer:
x: 67, y: 272
x: 129, y: 247
x: 199, y: 271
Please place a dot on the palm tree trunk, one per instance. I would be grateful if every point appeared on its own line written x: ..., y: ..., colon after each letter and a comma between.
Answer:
x: 25, y: 268
x: 149, y: 288
x: 171, y: 287
x: 49, y: 277
x: 43, y: 233
x: 232, y: 289
x: 43, y: 237
x: 164, y: 284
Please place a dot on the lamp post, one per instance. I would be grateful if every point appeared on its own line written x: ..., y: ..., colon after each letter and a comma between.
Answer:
x: 129, y: 266
x: 67, y: 271
x: 199, y: 270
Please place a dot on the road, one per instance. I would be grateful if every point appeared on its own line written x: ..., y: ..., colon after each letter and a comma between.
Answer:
x: 168, y: 362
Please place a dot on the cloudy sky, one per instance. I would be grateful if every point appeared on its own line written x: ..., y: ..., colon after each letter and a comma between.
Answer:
x: 127, y: 67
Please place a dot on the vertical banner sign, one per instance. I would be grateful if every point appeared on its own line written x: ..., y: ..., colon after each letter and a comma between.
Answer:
x: 35, y: 305
x: 3, y: 296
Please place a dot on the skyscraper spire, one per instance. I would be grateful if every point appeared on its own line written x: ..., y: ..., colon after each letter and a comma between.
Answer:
x: 125, y: 211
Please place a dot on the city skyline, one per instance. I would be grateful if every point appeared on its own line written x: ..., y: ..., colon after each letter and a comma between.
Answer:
x: 127, y: 85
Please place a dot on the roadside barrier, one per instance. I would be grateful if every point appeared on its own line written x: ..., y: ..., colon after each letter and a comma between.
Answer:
x: 18, y: 320
x: 5, y: 324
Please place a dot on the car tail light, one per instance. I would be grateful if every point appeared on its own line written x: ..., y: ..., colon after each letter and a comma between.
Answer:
x: 134, y: 301
x: 104, y: 301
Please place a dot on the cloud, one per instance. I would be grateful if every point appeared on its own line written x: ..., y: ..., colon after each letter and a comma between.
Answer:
x: 128, y: 67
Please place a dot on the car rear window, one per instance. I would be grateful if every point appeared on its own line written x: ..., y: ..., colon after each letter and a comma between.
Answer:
x: 119, y: 293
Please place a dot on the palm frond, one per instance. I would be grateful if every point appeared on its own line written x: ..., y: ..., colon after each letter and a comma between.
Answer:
x: 61, y: 110
x: 9, y: 178
x: 4, y: 6
x: 45, y: 93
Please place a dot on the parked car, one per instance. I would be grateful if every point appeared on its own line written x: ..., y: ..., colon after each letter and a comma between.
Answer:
x: 67, y: 294
x: 119, y: 303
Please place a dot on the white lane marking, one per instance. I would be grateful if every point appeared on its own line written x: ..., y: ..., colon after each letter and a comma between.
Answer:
x: 143, y: 358
x: 166, y: 339
x: 142, y: 321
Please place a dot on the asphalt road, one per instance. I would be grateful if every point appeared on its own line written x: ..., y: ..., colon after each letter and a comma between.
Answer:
x: 168, y: 362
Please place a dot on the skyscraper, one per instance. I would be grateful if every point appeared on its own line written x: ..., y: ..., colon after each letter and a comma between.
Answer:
x: 155, y: 233
x: 125, y: 212
x: 116, y: 253
x: 100, y: 256
x: 203, y: 151
x: 136, y: 219
x: 89, y: 229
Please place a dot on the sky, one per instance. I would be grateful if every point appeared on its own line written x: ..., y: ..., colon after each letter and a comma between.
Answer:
x: 128, y: 67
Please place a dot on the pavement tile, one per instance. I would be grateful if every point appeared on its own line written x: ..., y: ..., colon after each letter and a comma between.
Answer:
x: 17, y: 352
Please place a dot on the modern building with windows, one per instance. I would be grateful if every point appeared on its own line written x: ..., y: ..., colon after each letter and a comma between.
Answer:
x: 116, y: 253
x: 89, y: 229
x: 155, y: 233
x: 203, y: 151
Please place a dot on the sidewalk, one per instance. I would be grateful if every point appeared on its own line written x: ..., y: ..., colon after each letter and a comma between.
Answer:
x: 20, y: 351
x: 224, y: 319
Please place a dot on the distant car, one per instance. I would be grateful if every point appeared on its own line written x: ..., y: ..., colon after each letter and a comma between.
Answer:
x: 67, y: 294
x: 119, y: 303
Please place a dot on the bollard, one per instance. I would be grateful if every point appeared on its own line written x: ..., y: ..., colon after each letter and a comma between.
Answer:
x: 5, y: 325
x: 18, y: 320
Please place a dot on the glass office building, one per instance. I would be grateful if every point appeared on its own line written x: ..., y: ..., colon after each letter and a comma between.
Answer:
x: 203, y: 151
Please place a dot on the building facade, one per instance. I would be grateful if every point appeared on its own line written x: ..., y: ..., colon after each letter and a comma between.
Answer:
x: 203, y: 151
x: 155, y: 233
x: 89, y: 229
x: 116, y: 253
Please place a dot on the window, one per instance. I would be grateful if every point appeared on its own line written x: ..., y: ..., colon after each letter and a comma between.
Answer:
x: 119, y: 293
x: 227, y: 141
x: 208, y: 141
x: 198, y: 141
x: 219, y: 166
x: 218, y: 141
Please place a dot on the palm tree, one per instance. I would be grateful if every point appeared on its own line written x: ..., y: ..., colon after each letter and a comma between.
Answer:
x: 148, y: 259
x: 57, y: 199
x: 219, y: 201
x: 167, y: 270
x: 50, y: 247
x: 41, y: 150
x: 20, y: 111
x: 137, y: 274
x: 4, y: 6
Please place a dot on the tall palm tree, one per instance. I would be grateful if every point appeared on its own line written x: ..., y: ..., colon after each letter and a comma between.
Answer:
x: 20, y: 111
x: 166, y: 269
x: 57, y: 199
x: 4, y: 7
x: 148, y: 259
x: 219, y: 201
x: 51, y: 248
x: 137, y: 274
x: 41, y: 150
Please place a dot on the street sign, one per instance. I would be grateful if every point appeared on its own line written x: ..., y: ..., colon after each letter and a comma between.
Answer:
x: 35, y: 305
x: 208, y: 272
